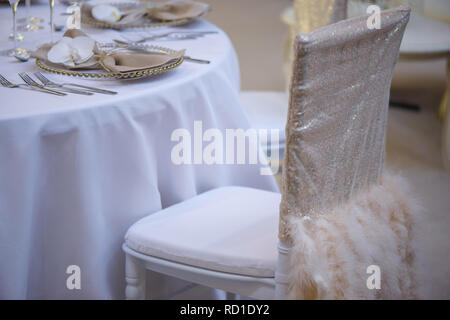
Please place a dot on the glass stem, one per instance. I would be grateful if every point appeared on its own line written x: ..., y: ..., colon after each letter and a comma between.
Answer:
x: 14, y: 10
x: 52, y: 4
x: 28, y: 4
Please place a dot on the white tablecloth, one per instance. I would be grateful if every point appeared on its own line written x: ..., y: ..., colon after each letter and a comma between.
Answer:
x: 77, y: 171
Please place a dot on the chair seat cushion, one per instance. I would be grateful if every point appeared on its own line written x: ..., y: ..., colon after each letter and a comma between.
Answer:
x: 266, y: 109
x: 229, y: 229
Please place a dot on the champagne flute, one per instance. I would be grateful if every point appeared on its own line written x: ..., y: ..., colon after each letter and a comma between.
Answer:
x: 14, y: 4
x: 52, y: 26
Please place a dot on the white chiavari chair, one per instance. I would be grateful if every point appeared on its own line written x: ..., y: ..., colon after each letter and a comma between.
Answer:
x: 338, y: 212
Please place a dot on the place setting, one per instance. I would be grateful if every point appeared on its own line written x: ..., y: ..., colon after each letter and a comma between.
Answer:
x: 131, y: 55
x: 143, y: 14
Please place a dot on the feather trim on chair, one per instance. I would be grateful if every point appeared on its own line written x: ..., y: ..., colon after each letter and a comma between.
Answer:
x: 331, y: 252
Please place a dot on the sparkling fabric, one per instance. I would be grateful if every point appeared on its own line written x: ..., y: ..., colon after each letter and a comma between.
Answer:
x: 335, y: 133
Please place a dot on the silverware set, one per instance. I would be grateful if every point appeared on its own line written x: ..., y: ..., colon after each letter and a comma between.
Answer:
x: 49, y: 86
x: 8, y: 84
x: 64, y: 85
x: 28, y: 80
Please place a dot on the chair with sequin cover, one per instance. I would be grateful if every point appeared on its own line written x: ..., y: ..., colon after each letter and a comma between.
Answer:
x: 340, y: 212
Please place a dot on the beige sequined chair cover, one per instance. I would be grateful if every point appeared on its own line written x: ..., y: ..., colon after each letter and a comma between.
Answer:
x: 335, y: 137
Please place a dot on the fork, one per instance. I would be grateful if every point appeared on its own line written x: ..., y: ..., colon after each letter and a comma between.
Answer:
x: 48, y: 82
x: 8, y: 84
x: 25, y: 77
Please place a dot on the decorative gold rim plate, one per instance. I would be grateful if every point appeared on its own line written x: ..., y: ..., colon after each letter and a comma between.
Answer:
x: 110, y: 75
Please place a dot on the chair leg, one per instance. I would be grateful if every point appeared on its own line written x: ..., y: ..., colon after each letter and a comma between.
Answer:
x: 281, y: 282
x: 135, y: 278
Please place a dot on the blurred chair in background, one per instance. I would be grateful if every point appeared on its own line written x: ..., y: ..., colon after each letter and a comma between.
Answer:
x: 311, y: 15
x: 268, y: 109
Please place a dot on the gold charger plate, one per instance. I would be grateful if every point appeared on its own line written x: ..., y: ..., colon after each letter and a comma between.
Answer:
x: 103, y: 74
x: 152, y: 24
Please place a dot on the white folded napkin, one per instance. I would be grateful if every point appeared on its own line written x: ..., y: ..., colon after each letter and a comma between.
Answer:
x: 72, y: 51
x: 76, y: 50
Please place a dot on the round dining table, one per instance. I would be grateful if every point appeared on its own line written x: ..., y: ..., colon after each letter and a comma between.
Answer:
x: 77, y: 171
